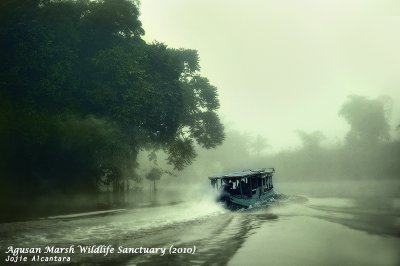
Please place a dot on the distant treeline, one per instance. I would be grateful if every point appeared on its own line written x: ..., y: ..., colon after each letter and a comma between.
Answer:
x: 367, y: 152
x: 81, y: 93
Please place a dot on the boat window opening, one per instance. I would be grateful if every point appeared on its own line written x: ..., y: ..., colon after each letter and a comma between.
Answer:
x: 270, y: 182
x: 234, y: 187
x: 245, y: 186
x: 254, y: 183
x: 250, y: 185
x: 234, y: 184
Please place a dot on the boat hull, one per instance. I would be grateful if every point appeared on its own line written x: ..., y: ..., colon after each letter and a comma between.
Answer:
x: 238, y: 201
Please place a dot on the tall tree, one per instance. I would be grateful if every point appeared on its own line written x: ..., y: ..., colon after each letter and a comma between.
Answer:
x: 82, y: 93
x: 311, y: 140
x: 368, y: 119
x: 259, y: 144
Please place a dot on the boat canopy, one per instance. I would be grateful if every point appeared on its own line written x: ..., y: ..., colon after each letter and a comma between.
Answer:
x: 246, y: 174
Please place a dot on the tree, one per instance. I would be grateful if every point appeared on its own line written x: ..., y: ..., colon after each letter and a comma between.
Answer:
x: 153, y: 175
x: 311, y: 140
x: 259, y: 144
x: 82, y: 93
x: 368, y: 119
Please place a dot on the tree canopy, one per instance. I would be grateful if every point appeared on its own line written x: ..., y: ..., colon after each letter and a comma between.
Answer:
x: 368, y: 118
x: 81, y: 93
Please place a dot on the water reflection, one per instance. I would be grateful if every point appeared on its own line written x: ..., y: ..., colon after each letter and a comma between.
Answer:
x: 372, y: 215
x: 326, y: 231
x: 295, y: 230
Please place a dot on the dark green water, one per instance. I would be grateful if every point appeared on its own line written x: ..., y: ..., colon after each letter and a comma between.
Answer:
x: 305, y: 230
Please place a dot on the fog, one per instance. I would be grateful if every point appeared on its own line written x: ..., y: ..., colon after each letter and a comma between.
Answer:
x: 363, y: 163
x: 108, y: 136
x: 301, y: 84
x: 289, y: 65
x: 309, y: 88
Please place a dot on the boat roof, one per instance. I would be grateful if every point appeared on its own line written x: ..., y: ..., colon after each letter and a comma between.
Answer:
x: 245, y: 173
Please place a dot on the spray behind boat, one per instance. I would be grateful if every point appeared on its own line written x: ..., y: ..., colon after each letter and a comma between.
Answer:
x: 244, y: 189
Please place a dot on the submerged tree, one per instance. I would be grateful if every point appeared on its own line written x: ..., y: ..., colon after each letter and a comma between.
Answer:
x: 153, y: 175
x: 81, y: 93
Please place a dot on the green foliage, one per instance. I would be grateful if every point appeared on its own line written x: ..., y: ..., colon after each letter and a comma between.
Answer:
x: 368, y: 119
x: 181, y: 152
x: 154, y: 174
x: 311, y: 140
x: 82, y: 93
x: 259, y: 144
x: 365, y: 153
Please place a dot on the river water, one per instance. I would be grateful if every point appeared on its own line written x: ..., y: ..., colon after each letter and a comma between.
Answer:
x: 299, y: 230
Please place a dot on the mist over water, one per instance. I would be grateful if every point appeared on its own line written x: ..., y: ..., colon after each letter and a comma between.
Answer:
x: 340, y: 205
x: 299, y: 230
x: 119, y: 153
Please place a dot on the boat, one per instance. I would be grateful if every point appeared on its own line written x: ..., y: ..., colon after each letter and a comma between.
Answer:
x: 245, y: 189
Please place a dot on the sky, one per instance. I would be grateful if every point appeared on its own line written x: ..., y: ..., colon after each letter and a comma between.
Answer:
x: 287, y: 65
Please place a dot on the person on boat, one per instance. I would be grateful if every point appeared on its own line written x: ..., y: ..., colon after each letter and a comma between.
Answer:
x: 225, y: 186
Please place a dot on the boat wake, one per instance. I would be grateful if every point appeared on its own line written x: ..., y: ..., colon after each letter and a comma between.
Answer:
x: 279, y: 199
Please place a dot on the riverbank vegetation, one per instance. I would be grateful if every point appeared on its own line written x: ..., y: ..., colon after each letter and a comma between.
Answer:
x: 81, y: 93
x: 370, y: 151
